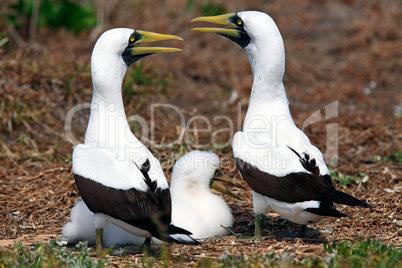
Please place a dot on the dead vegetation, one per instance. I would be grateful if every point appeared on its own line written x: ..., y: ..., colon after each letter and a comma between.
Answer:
x: 346, y: 51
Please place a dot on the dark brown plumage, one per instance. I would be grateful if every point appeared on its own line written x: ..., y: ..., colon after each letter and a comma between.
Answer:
x: 148, y: 210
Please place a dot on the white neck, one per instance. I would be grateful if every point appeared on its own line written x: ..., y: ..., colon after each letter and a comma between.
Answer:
x: 268, y: 101
x: 108, y: 126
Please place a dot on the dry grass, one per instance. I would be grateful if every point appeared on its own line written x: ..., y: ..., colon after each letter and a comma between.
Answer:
x: 334, y: 50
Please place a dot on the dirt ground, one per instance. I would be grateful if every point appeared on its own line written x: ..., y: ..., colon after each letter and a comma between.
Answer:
x: 344, y: 52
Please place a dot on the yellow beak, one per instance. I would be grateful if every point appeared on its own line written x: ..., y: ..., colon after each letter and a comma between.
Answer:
x: 219, y: 176
x: 225, y: 19
x: 144, y: 36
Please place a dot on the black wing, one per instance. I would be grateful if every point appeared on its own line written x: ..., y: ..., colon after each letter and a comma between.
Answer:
x: 297, y: 186
x: 148, y: 210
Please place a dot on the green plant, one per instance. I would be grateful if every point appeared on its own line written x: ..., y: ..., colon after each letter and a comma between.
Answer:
x: 345, y: 180
x: 212, y: 9
x: 18, y: 111
x: 142, y: 82
x: 368, y: 253
x: 207, y: 8
x: 68, y: 14
x: 50, y: 255
x: 395, y: 158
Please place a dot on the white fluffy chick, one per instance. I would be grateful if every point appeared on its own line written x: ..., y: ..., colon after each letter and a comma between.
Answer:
x: 195, y: 207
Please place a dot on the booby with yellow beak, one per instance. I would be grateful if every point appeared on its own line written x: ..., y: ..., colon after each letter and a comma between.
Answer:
x: 285, y: 171
x: 118, y: 178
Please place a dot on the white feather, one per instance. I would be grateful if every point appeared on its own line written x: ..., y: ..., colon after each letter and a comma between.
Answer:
x: 269, y: 129
x: 108, y: 137
x: 194, y: 207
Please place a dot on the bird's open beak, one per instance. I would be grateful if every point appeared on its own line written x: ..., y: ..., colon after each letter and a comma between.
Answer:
x: 144, y: 37
x: 134, y: 52
x: 235, y: 33
x: 225, y: 19
x: 219, y: 176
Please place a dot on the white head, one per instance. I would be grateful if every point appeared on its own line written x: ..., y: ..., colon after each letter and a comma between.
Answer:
x: 197, y: 171
x: 112, y: 43
x: 194, y: 170
x: 266, y: 49
x: 259, y: 36
x: 107, y: 65
x: 116, y: 49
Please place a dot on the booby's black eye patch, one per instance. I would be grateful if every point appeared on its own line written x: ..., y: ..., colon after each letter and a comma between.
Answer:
x: 237, y: 21
x: 134, y: 38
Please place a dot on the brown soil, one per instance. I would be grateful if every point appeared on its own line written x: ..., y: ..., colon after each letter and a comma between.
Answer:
x: 335, y: 51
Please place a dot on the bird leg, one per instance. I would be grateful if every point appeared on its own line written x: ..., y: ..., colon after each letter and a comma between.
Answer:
x: 99, y: 242
x: 146, y: 247
x: 302, y: 231
x: 135, y: 249
x: 259, y: 223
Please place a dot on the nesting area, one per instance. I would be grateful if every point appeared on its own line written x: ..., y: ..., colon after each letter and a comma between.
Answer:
x: 341, y: 53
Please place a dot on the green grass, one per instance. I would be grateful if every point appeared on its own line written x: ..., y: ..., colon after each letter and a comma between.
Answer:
x: 368, y: 253
x: 394, y: 158
x: 17, y: 111
x: 140, y: 84
x: 364, y: 253
x: 207, y: 8
x: 68, y: 14
x: 212, y: 9
x: 50, y: 255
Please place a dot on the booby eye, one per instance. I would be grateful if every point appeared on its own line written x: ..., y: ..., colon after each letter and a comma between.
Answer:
x: 132, y: 38
x: 239, y: 22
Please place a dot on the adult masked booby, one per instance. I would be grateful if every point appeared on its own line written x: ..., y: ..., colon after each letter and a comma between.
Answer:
x: 285, y: 171
x: 117, y: 176
x: 194, y: 207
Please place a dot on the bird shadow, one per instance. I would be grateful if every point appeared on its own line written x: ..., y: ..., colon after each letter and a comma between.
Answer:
x: 279, y: 229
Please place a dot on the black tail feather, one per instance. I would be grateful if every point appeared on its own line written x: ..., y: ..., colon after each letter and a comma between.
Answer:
x: 327, y: 212
x: 326, y: 208
x: 180, y: 236
x: 345, y: 199
x: 183, y: 239
x: 177, y: 230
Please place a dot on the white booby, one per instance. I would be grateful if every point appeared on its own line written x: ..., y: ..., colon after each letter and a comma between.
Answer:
x: 285, y: 171
x: 118, y: 178
x: 194, y: 207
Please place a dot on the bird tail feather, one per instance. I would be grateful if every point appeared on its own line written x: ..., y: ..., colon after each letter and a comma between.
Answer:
x: 183, y: 239
x: 180, y: 235
x: 345, y: 199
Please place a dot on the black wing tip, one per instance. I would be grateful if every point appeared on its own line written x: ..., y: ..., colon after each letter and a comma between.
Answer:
x: 177, y: 230
x: 181, y: 236
x: 186, y: 240
x: 346, y: 199
x: 363, y: 204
